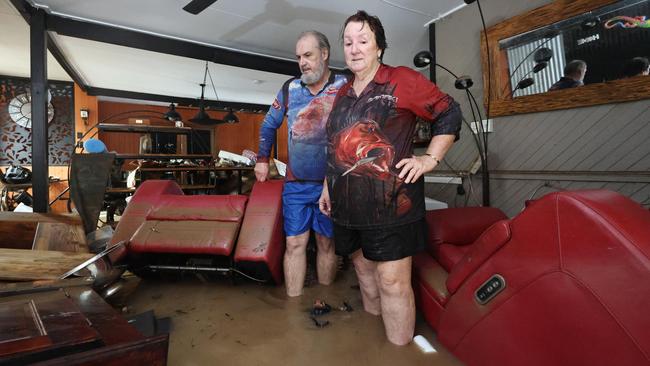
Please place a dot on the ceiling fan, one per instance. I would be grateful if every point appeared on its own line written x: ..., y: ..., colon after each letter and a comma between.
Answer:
x: 197, y: 6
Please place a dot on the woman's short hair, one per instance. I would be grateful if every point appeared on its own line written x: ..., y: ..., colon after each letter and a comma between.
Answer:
x: 375, y: 26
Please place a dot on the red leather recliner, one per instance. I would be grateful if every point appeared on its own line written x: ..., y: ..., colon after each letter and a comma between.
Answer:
x: 566, y: 282
x: 163, y: 225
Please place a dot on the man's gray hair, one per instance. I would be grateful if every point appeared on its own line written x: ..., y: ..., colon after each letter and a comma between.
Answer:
x: 323, y: 42
x: 574, y: 67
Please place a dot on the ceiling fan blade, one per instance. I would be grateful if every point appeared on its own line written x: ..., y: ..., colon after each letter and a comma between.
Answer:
x: 197, y: 6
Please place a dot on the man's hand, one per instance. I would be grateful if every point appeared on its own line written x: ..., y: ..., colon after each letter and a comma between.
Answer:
x: 262, y: 171
x: 324, y: 203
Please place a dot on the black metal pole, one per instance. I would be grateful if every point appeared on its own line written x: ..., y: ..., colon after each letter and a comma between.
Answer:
x: 38, y: 59
x: 486, y: 169
x: 432, y: 49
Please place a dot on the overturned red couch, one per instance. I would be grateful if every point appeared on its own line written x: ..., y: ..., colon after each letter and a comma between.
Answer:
x: 565, y: 282
x: 167, y: 230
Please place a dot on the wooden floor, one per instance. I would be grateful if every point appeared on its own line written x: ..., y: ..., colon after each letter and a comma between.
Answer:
x: 250, y: 324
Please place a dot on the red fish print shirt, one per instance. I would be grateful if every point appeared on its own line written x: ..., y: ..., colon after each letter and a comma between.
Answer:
x: 369, y: 134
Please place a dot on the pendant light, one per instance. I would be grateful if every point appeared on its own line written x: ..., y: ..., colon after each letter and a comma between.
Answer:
x: 202, y: 117
x: 230, y: 117
x: 172, y: 114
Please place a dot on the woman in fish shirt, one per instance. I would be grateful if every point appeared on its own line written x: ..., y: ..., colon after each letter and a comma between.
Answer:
x: 374, y: 181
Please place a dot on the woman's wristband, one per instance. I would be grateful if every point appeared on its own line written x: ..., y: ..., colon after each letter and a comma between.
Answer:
x: 434, y: 158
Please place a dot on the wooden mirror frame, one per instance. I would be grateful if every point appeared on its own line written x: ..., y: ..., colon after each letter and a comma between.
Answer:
x: 502, y: 104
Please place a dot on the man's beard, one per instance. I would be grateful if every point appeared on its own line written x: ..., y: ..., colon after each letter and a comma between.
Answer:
x: 315, y: 75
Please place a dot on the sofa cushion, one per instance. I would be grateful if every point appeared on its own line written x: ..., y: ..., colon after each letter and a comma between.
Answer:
x: 261, y: 241
x: 188, y: 237
x: 433, y: 276
x: 449, y: 254
x: 228, y: 208
x: 429, y: 287
x: 480, y: 251
x: 141, y: 204
x: 460, y: 226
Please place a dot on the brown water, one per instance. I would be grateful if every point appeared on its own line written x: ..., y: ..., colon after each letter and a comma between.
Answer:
x: 249, y: 324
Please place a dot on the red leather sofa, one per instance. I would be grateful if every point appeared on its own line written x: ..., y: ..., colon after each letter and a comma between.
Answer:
x: 166, y: 229
x: 565, y: 282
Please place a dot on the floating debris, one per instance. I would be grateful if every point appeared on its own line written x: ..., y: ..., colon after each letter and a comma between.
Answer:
x: 318, y: 323
x: 320, y: 307
x: 346, y: 307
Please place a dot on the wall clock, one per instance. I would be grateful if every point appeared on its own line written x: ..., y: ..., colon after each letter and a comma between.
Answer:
x: 20, y: 109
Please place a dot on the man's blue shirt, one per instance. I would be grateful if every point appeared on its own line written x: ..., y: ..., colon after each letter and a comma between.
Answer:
x: 307, y: 116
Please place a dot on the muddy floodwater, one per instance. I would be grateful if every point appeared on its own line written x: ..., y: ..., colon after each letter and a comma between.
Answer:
x: 216, y: 322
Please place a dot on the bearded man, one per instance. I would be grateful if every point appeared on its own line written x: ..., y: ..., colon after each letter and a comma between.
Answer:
x: 306, y: 102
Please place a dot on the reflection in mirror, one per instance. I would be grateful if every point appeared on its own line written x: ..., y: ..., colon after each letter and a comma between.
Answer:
x: 608, y: 43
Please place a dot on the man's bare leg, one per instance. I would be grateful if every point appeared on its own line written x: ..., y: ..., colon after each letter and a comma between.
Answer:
x: 325, y: 260
x: 295, y: 263
x: 397, y: 301
x: 367, y: 276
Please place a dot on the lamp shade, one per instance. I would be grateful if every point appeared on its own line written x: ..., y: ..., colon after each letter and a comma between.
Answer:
x: 203, y: 118
x: 422, y: 59
x: 543, y: 54
x: 463, y: 82
x: 172, y: 114
x: 525, y: 83
x: 539, y: 67
x: 230, y: 117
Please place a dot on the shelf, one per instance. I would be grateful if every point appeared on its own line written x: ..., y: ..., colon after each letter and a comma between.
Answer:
x: 163, y: 156
x: 120, y: 190
x: 117, y: 127
x: 228, y: 168
x: 196, y: 168
x: 443, y: 179
x: 177, y: 169
x: 197, y: 186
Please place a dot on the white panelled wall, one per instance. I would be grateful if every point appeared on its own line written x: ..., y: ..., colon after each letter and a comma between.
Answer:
x: 605, y: 146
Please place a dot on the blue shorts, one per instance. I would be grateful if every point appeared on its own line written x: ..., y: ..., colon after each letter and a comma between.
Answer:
x: 300, y: 209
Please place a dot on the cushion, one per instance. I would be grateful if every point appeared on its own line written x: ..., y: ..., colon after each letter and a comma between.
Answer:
x: 460, y: 226
x: 448, y: 255
x: 433, y: 277
x: 261, y: 241
x: 429, y: 287
x: 489, y: 242
x: 189, y: 237
x: 228, y: 208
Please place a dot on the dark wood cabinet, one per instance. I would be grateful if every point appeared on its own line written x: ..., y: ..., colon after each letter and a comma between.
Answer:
x: 72, y: 326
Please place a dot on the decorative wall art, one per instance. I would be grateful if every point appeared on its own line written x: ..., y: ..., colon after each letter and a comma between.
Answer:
x: 15, y: 121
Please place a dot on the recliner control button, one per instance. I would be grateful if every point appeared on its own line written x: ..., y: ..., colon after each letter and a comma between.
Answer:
x: 489, y: 289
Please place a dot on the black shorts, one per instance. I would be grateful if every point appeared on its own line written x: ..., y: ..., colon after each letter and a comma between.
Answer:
x: 382, y: 244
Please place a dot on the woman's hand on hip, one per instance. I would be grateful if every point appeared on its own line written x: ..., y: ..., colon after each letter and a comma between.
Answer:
x: 414, y: 167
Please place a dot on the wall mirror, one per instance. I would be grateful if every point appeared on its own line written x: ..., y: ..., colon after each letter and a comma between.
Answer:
x: 605, y: 43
